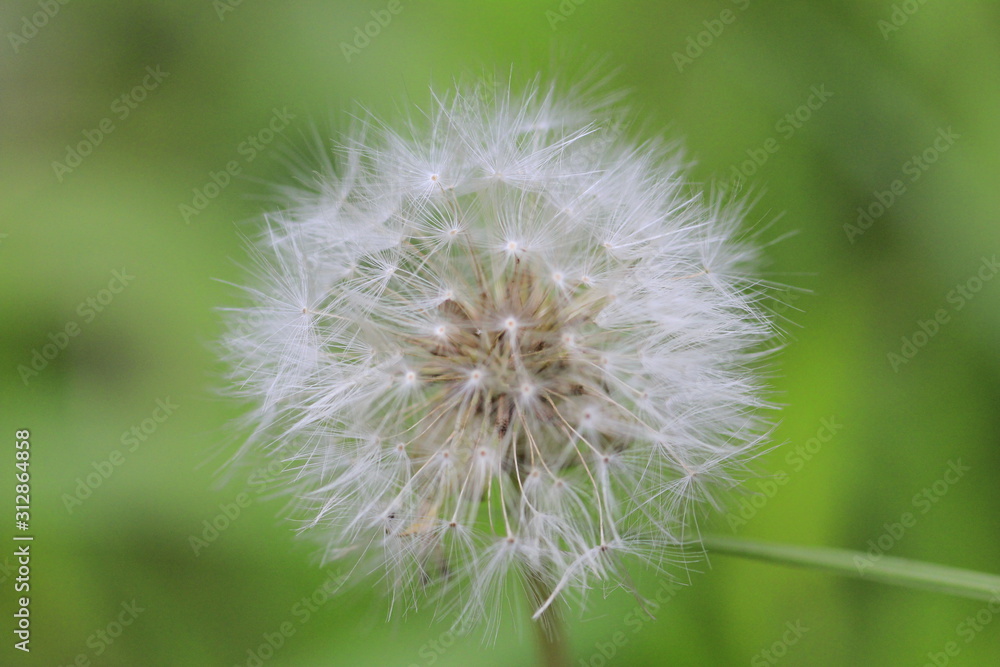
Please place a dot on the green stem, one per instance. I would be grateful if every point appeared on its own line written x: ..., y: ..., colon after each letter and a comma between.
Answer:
x: 884, y: 569
x: 549, y: 629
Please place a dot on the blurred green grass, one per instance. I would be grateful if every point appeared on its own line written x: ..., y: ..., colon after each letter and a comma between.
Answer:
x: 120, y: 208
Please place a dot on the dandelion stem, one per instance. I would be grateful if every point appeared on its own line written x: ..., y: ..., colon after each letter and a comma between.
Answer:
x: 858, y: 564
x: 549, y: 628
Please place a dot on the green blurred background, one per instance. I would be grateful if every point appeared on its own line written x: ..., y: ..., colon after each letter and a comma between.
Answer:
x: 882, y: 94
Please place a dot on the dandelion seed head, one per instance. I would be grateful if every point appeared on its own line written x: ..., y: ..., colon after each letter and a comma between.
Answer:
x: 506, y: 342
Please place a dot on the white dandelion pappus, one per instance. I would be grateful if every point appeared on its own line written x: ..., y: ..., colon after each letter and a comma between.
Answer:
x: 506, y: 345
